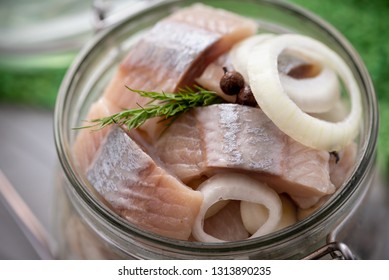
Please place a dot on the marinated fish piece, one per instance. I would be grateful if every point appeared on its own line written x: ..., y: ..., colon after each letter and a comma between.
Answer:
x: 88, y: 140
x: 173, y: 53
x: 340, y: 167
x: 180, y: 148
x: 342, y: 164
x: 227, y: 223
x: 306, y: 202
x: 304, y: 213
x: 140, y: 191
x: 230, y: 27
x: 211, y: 76
x: 231, y: 137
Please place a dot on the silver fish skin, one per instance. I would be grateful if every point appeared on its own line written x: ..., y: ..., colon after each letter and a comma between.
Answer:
x: 238, y: 138
x: 227, y: 223
x: 173, y: 53
x: 140, y: 191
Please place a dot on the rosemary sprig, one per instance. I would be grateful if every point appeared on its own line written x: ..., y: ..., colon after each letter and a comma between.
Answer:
x: 168, y: 105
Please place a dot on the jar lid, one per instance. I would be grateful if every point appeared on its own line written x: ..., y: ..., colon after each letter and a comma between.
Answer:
x: 47, y: 27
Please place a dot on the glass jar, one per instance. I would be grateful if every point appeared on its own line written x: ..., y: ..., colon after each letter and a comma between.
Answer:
x: 352, y: 223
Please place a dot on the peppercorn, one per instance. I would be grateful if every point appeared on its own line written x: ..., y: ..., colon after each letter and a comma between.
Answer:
x: 246, y: 97
x: 232, y: 82
x: 335, y: 155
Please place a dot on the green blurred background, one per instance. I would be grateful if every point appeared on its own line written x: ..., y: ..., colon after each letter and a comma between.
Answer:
x: 363, y: 22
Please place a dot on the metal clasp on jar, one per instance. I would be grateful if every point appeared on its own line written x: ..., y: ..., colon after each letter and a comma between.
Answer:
x: 333, y: 250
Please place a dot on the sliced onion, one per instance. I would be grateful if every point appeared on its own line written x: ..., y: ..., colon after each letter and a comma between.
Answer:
x: 289, y: 213
x: 271, y: 97
x: 215, y: 208
x: 254, y: 215
x: 240, y: 53
x: 337, y: 113
x: 317, y: 94
x: 234, y: 186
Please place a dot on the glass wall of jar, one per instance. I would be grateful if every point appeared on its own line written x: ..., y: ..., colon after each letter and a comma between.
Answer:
x: 86, y: 228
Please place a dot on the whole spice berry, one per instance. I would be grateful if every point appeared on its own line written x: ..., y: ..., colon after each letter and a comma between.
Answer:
x: 232, y: 82
x: 335, y: 155
x: 246, y: 97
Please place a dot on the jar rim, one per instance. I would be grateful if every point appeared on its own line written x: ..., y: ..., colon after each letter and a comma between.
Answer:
x: 366, y: 160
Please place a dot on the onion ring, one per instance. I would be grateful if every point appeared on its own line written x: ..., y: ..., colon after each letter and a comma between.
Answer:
x: 254, y: 215
x: 317, y: 94
x: 270, y: 95
x: 240, y: 53
x: 235, y: 186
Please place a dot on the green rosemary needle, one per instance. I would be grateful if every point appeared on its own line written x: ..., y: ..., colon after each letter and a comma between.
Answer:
x: 162, y: 104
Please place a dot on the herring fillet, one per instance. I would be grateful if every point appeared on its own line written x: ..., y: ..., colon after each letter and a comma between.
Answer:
x: 140, y: 191
x: 241, y: 138
x: 88, y: 140
x: 211, y: 76
x: 173, y: 53
x: 340, y: 170
x: 227, y: 223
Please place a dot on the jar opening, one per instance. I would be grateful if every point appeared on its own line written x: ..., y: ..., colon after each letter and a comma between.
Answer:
x: 91, y: 71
